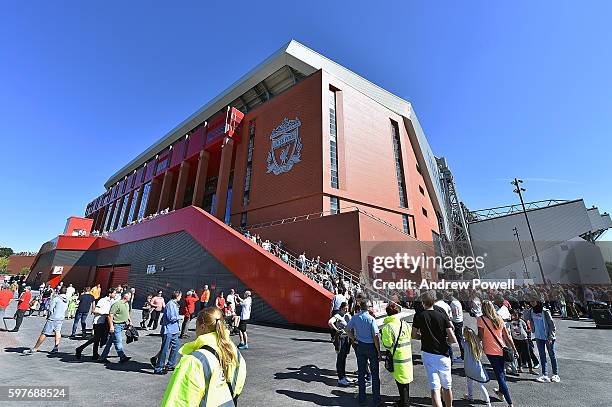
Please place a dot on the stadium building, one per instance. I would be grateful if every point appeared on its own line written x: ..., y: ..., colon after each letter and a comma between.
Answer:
x: 299, y: 150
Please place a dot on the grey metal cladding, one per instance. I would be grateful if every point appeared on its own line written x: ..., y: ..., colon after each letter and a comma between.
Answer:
x: 181, y: 264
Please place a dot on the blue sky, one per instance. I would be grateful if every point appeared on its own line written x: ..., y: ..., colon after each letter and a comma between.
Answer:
x: 506, y: 89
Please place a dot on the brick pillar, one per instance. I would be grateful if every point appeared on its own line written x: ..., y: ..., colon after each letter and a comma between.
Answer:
x: 200, y: 181
x: 181, y: 185
x: 225, y: 169
x: 164, y: 196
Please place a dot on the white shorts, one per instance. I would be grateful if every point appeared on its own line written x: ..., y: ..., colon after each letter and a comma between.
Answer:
x: 438, y: 368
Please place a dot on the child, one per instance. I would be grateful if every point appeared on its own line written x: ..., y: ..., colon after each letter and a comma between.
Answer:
x: 146, y: 311
x: 518, y: 328
x: 474, y: 372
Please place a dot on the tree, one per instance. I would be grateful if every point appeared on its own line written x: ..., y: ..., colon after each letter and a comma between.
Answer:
x: 3, y: 264
x: 6, y: 252
x: 25, y: 271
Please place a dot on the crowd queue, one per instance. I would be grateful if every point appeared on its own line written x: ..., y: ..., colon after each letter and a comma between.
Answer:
x: 504, y: 335
x: 212, y: 369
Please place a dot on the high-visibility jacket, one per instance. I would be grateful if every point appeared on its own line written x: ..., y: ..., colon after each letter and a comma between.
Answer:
x: 402, y: 359
x: 198, y: 379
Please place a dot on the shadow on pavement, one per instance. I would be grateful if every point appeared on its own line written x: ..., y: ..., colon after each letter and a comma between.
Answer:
x: 309, y: 374
x: 311, y: 340
x: 343, y: 398
x: 18, y: 349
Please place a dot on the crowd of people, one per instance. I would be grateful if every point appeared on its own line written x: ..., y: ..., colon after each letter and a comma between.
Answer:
x: 505, y: 332
x: 212, y: 350
x: 328, y: 274
x: 105, y: 233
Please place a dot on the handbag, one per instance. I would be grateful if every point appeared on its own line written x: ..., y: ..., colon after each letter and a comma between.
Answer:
x: 389, y: 356
x: 508, y: 354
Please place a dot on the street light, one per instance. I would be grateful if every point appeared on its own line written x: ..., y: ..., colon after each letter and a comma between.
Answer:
x: 516, y: 233
x: 518, y: 189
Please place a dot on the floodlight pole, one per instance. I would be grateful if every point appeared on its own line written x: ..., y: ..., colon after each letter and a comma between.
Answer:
x: 516, y: 233
x: 517, y: 183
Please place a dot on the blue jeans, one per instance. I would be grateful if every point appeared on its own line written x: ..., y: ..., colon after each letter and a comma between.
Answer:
x: 366, y: 352
x: 115, y: 338
x: 169, y: 342
x: 497, y: 363
x: 79, y: 316
x: 543, y: 346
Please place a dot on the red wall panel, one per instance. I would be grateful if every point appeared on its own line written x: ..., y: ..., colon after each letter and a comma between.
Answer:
x: 178, y: 152
x: 196, y: 142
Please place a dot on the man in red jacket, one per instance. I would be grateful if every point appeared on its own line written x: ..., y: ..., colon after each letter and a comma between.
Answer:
x: 6, y: 296
x: 22, y: 307
x: 188, y: 310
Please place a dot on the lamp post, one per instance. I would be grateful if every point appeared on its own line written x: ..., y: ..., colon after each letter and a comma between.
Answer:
x: 518, y: 189
x: 516, y: 233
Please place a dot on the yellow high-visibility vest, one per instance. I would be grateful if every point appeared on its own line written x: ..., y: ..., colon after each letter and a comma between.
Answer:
x: 198, y: 379
x: 402, y: 359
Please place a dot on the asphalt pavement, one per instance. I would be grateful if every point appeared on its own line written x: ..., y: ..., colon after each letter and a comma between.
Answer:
x: 290, y: 368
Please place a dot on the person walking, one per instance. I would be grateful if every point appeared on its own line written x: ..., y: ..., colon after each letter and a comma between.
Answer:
x: 493, y: 334
x: 245, y: 316
x: 86, y: 306
x: 518, y: 330
x: 53, y: 325
x: 436, y: 333
x: 23, y: 305
x: 188, y: 311
x: 395, y: 336
x: 170, y: 336
x: 6, y: 296
x: 205, y: 297
x: 457, y: 320
x: 543, y: 327
x: 472, y: 366
x: 363, y: 330
x: 146, y: 311
x: 100, y: 325
x: 338, y: 323
x: 157, y: 304
x: 211, y: 371
x: 118, y: 319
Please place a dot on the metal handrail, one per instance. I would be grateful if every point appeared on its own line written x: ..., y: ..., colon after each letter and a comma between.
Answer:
x: 320, y: 277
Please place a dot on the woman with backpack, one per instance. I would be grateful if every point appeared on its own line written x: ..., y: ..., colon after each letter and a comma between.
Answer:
x: 543, y: 327
x: 494, y: 336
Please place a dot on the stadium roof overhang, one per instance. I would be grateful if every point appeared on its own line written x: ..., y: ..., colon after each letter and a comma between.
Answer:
x: 281, y: 70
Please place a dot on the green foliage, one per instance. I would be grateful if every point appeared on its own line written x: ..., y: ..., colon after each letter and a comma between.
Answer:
x: 25, y: 271
x: 6, y: 252
x: 3, y: 264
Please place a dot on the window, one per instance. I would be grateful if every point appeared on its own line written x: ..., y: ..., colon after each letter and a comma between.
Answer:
x: 421, y: 190
x: 132, y: 207
x: 123, y: 210
x: 334, y: 205
x: 333, y: 139
x: 243, y: 219
x: 249, y: 165
x: 424, y: 211
x: 399, y: 169
x: 228, y: 201
x: 145, y: 198
x: 405, y: 224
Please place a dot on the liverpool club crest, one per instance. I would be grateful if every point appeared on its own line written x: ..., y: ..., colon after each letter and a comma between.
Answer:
x: 285, y: 146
